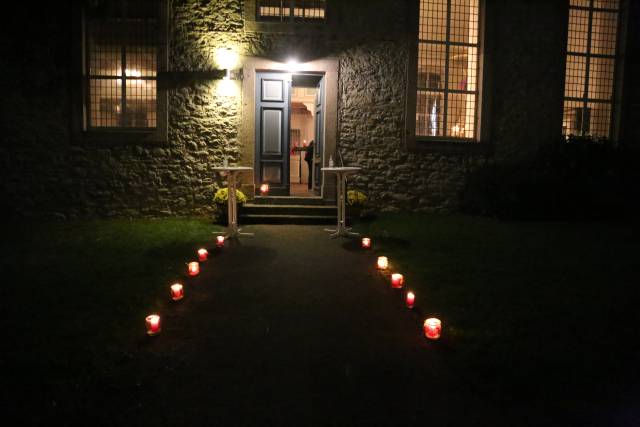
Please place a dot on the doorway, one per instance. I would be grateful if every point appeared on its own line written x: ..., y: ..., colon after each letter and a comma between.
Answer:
x: 289, y: 133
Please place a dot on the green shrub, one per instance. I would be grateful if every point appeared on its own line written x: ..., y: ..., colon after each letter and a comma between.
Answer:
x: 578, y: 178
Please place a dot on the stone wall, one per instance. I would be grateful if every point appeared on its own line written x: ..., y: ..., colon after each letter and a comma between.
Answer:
x: 48, y: 172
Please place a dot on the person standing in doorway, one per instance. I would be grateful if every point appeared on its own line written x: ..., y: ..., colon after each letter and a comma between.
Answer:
x: 308, y: 157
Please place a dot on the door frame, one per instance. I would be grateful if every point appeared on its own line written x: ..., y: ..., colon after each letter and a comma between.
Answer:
x: 326, y: 66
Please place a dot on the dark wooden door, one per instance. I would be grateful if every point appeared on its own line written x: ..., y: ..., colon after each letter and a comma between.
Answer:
x: 272, y: 131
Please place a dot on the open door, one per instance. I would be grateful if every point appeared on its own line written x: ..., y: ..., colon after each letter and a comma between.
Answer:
x: 272, y: 131
x: 319, y: 137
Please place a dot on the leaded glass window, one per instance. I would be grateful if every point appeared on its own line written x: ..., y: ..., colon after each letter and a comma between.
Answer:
x: 447, y: 78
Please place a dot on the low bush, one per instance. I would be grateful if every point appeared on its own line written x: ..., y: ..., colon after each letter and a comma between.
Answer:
x: 578, y: 178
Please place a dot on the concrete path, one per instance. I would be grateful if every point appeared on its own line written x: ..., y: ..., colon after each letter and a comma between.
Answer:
x: 292, y: 328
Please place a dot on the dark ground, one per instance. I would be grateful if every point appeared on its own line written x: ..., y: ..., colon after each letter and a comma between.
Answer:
x: 287, y: 328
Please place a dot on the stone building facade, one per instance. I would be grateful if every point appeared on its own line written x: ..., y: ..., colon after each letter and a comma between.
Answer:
x: 50, y: 167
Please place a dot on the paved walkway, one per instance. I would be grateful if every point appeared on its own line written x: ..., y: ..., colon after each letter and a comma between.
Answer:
x: 292, y: 328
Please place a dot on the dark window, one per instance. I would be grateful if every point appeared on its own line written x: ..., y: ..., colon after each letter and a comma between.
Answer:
x: 590, y: 71
x: 121, y: 42
x: 287, y: 10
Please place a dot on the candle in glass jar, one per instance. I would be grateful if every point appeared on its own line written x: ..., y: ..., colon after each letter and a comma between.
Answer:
x: 366, y: 243
x: 220, y: 241
x: 193, y: 268
x: 397, y: 280
x: 264, y: 189
x: 410, y: 299
x: 203, y: 254
x: 432, y: 328
x: 383, y: 263
x: 153, y: 324
x: 177, y: 292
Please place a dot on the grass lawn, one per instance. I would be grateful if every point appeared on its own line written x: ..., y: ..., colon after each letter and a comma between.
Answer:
x: 78, y: 294
x: 537, y: 316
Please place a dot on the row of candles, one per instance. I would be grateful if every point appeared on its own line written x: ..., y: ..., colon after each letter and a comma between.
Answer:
x: 176, y: 290
x: 432, y: 326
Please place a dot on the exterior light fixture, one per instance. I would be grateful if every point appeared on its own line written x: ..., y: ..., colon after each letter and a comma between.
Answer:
x: 292, y: 65
x: 227, y: 59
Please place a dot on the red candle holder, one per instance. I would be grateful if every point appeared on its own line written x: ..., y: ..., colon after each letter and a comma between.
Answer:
x: 177, y: 292
x: 432, y: 328
x: 220, y: 241
x: 397, y: 280
x: 153, y: 324
x: 264, y: 189
x: 193, y: 268
x: 410, y: 299
x: 366, y: 243
x: 203, y: 254
x: 383, y: 263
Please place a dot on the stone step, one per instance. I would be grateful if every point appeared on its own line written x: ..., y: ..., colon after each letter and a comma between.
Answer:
x: 281, y: 209
x: 288, y: 200
x: 286, y: 219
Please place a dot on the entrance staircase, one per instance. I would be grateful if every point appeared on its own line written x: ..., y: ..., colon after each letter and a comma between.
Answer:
x: 287, y: 210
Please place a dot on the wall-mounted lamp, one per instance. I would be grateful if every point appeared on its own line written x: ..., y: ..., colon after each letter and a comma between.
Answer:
x: 227, y: 59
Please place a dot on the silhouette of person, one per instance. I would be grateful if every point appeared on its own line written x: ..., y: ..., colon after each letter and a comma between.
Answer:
x: 308, y: 157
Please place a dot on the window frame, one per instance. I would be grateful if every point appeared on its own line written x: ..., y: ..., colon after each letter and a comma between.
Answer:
x: 617, y: 76
x: 81, y: 131
x: 291, y: 17
x: 447, y: 143
x: 252, y: 22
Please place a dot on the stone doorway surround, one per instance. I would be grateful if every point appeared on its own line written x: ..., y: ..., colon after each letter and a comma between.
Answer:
x: 327, y: 66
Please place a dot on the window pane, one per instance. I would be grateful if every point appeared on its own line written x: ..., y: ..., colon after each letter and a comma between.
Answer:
x: 606, y: 4
x: 431, y: 64
x: 309, y: 9
x: 464, y: 21
x: 270, y: 8
x: 141, y: 103
x: 600, y: 118
x: 579, y: 3
x: 575, y: 76
x: 105, y: 60
x: 433, y: 20
x: 461, y: 110
x: 600, y: 78
x: 578, y: 30
x: 105, y: 102
x: 141, y: 61
x: 463, y: 63
x: 603, y: 33
x: 585, y: 116
x: 572, y: 118
x: 429, y: 119
x: 447, y: 68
